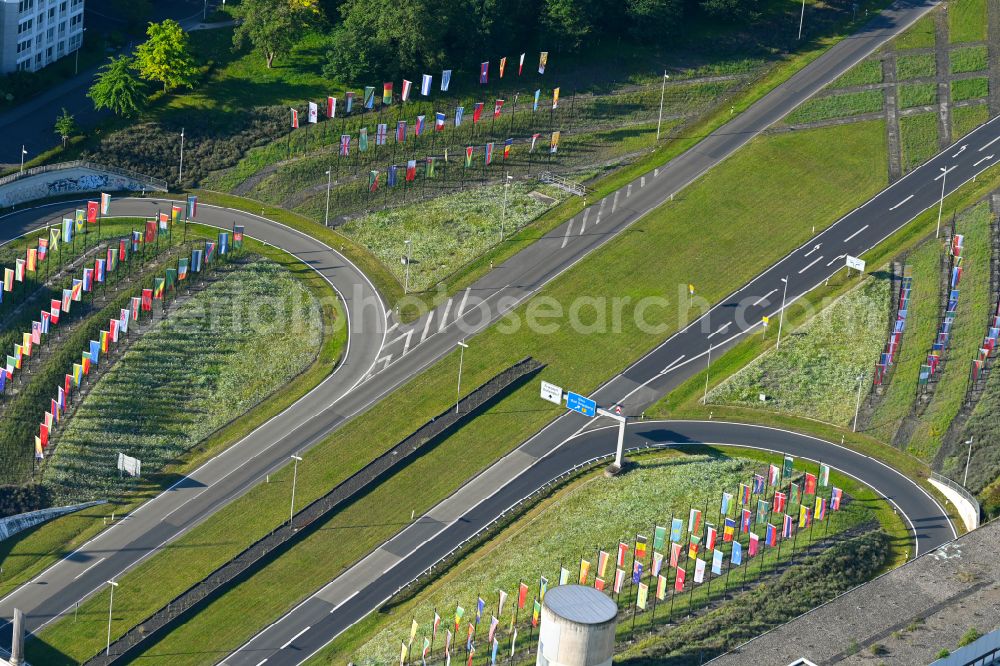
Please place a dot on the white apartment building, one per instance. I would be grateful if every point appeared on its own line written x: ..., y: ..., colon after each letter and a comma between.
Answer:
x: 36, y: 33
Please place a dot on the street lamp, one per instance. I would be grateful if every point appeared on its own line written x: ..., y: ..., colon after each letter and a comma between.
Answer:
x: 111, y: 604
x: 802, y: 18
x: 781, y: 313
x: 663, y: 89
x: 24, y: 152
x: 76, y: 66
x: 180, y: 168
x: 965, y: 480
x: 857, y: 406
x: 503, y: 216
x: 944, y: 177
x: 295, y: 477
x: 461, y: 357
x: 406, y: 280
x: 329, y: 186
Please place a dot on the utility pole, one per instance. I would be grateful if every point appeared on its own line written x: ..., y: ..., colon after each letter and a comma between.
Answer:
x: 295, y: 478
x: 781, y: 314
x: 329, y: 186
x: 967, y: 461
x: 503, y: 216
x: 461, y: 357
x: 24, y: 152
x: 180, y: 168
x: 944, y: 177
x: 857, y: 406
x: 111, y: 605
x: 802, y: 18
x: 663, y: 89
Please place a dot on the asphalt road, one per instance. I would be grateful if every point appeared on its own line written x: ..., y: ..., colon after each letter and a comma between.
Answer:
x: 411, y: 349
x: 316, y: 621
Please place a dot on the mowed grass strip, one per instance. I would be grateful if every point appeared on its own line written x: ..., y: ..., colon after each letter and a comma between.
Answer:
x: 843, y: 105
x: 919, y: 137
x: 976, y: 88
x: 917, y: 94
x: 966, y: 336
x: 866, y: 72
x: 966, y: 21
x: 749, y: 216
x: 969, y: 59
x: 919, y: 36
x: 915, y: 66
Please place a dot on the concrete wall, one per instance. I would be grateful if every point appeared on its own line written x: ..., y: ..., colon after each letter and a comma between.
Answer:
x: 77, y: 180
x: 13, y: 524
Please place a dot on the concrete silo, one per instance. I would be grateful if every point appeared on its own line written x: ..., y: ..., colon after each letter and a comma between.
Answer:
x: 577, y: 627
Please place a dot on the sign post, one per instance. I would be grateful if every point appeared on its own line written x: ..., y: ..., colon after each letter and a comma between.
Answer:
x: 619, y: 451
x: 552, y: 393
x: 856, y: 264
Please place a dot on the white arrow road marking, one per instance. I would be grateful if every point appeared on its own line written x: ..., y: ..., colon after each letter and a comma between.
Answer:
x: 856, y: 233
x: 764, y: 297
x: 719, y: 330
x: 960, y: 151
x: 811, y: 264
x: 901, y: 202
x: 836, y: 259
x: 815, y: 247
x: 987, y: 145
x: 988, y: 157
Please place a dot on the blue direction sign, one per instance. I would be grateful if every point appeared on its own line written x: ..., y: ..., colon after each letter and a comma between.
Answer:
x: 578, y: 403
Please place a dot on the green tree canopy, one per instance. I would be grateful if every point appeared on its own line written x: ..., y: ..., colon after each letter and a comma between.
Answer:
x: 273, y: 26
x: 166, y: 56
x: 65, y: 126
x: 116, y: 87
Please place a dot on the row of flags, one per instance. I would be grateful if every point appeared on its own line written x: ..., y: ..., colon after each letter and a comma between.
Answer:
x: 441, y: 119
x: 989, y: 343
x: 694, y: 550
x: 426, y: 88
x: 933, y: 360
x: 891, y: 350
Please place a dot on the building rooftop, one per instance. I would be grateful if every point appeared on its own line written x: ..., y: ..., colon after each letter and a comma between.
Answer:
x: 907, y: 616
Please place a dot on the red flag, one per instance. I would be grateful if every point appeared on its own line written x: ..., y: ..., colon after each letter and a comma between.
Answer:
x: 622, y: 553
x: 147, y: 300
x: 92, y: 209
x: 522, y: 595
x: 810, y: 484
x: 679, y: 581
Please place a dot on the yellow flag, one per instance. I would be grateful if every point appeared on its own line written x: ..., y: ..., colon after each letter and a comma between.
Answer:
x: 413, y: 630
x: 643, y: 593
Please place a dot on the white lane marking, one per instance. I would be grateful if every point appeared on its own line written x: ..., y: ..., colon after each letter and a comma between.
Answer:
x: 856, y: 233
x: 406, y: 345
x: 628, y: 190
x: 642, y: 182
x: 672, y: 364
x: 656, y: 172
x: 427, y: 325
x: 569, y: 230
x: 764, y: 298
x: 814, y: 248
x: 945, y: 172
x: 262, y: 661
x: 811, y: 264
x: 337, y: 607
x: 836, y: 259
x: 987, y: 145
x: 901, y: 202
x: 586, y: 214
x: 292, y: 640
x: 461, y: 307
x: 388, y: 360
x: 444, y: 318
x: 392, y: 328
x: 960, y: 151
x: 988, y: 157
x: 719, y: 330
x: 614, y: 202
x: 89, y: 568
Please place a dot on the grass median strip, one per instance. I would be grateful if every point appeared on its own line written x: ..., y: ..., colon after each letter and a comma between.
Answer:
x: 656, y: 258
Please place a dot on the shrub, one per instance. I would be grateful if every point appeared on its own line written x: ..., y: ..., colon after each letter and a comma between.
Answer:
x: 21, y: 499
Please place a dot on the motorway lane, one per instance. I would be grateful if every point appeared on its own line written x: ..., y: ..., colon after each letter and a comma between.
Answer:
x: 318, y: 619
x: 489, y: 298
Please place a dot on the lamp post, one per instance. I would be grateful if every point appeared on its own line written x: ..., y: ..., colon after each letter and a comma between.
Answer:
x: 802, y: 18
x: 24, y: 152
x: 406, y: 279
x: 329, y: 186
x: 781, y: 313
x: 663, y: 89
x: 857, y: 406
x: 968, y: 459
x: 180, y: 167
x: 503, y: 215
x: 76, y: 65
x: 111, y: 605
x: 461, y: 357
x: 295, y: 478
x: 944, y: 177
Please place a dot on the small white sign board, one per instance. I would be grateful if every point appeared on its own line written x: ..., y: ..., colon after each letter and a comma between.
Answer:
x: 129, y: 465
x: 855, y: 263
x: 552, y: 393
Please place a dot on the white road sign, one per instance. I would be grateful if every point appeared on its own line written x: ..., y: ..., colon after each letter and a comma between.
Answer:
x: 552, y: 393
x: 855, y: 263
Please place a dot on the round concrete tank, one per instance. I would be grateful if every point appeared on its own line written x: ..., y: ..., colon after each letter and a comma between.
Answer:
x: 577, y: 627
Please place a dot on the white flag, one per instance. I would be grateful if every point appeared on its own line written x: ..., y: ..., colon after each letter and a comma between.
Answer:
x: 425, y: 85
x: 331, y: 107
x: 313, y: 112
x: 699, y: 570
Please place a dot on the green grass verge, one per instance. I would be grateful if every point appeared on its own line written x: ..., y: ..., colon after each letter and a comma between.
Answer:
x: 919, y: 36
x: 572, y: 525
x: 915, y: 66
x: 966, y: 21
x: 919, y: 138
x: 976, y: 88
x: 917, y: 94
x: 837, y: 106
x: 30, y: 552
x: 866, y: 72
x: 964, y: 119
x: 967, y: 333
x: 969, y: 59
x: 816, y: 186
x: 815, y: 373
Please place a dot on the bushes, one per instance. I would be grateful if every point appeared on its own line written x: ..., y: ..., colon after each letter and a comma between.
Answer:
x: 21, y: 499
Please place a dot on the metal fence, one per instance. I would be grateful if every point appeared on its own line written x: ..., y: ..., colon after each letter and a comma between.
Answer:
x: 154, y: 183
x: 958, y: 488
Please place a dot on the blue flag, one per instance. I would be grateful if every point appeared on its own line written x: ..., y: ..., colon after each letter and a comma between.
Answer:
x: 716, y: 562
x: 459, y: 112
x: 445, y: 80
x: 392, y: 176
x: 676, y: 527
x: 95, y: 351
x: 737, y: 557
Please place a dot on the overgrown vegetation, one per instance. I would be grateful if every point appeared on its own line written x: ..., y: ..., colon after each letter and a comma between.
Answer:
x: 915, y: 66
x: 837, y: 106
x: 964, y: 89
x: 919, y: 138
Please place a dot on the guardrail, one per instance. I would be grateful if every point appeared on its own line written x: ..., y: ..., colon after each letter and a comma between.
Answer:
x: 960, y: 489
x: 154, y: 183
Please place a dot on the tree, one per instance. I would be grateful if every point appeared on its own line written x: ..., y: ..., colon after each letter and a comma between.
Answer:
x: 135, y: 13
x: 272, y: 26
x: 653, y: 20
x: 166, y: 56
x: 117, y: 87
x: 65, y: 126
x: 732, y: 11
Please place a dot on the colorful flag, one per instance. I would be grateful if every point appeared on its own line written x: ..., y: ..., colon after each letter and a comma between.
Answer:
x: 348, y: 101
x: 786, y: 526
x: 429, y: 167
x: 745, y: 521
x: 484, y: 73
x: 758, y: 484
x: 543, y: 59
x: 405, y: 94
x: 411, y: 170
x: 584, y: 571
x: 694, y: 521
x: 763, y: 508
x: 543, y: 585
x: 489, y: 153
x: 693, y: 547
x: 659, y: 537
x: 401, y: 131
x: 497, y: 107
x: 506, y: 148
x: 793, y: 491
x: 727, y: 499
x: 736, y: 557
x: 554, y: 143
x: 345, y: 145
x: 468, y: 156
x: 699, y: 570
x: 636, y: 571
x: 369, y: 102
x: 372, y: 180
x: 679, y: 581
x: 675, y: 554
x: 445, y: 80
x: 771, y: 535
x: 536, y: 611
x: 425, y: 84
x: 313, y: 116
x: 824, y: 475
x: 237, y: 237
x: 534, y: 105
x: 835, y: 498
x: 31, y: 262
x: 331, y: 107
x: 391, y: 175
x: 147, y: 300
x: 805, y: 516
x: 622, y: 553
x: 717, y: 562
x: 295, y: 118
x: 752, y: 548
x: 459, y: 113
x: 602, y: 563
x: 779, y: 502
x: 729, y: 530
x: 387, y: 93
x: 555, y: 98
x: 459, y: 612
x: 657, y: 563
x: 773, y: 474
x: 503, y: 65
x: 67, y: 230
x: 820, y: 508
x: 563, y: 575
x: 80, y: 219
x: 419, y: 128
x: 810, y: 484
x: 787, y: 467
x: 643, y: 594
x: 619, y: 579
x: 710, y: 537
x: 661, y: 587
x: 438, y: 122
x: 676, y: 529
x: 363, y: 139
